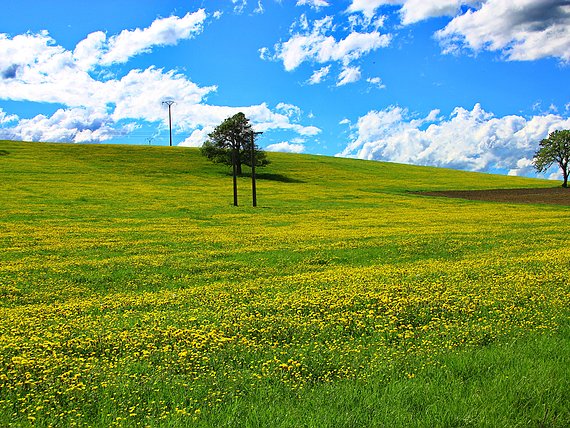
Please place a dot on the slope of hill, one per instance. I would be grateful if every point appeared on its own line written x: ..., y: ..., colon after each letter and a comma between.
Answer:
x: 133, y: 293
x: 181, y: 176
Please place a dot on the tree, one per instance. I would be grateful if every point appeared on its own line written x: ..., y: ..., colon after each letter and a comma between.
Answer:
x: 233, y: 143
x: 554, y: 149
x: 233, y: 137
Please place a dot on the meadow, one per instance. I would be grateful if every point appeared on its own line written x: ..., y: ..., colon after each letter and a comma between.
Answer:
x: 132, y: 293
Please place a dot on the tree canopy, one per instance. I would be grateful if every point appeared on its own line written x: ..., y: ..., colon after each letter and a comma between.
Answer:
x: 554, y: 150
x: 234, y: 133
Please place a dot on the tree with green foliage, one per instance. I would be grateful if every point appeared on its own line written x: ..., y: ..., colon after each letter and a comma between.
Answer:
x: 554, y: 149
x: 233, y: 137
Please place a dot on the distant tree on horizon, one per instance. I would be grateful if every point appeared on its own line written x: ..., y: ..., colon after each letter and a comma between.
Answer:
x: 554, y: 150
x: 233, y: 137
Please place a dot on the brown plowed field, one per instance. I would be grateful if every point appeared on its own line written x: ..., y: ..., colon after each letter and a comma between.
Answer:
x: 555, y: 196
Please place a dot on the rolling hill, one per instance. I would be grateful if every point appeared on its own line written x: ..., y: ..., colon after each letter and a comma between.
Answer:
x: 132, y: 293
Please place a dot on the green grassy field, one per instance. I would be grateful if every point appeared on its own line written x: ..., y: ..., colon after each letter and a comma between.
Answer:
x: 132, y: 293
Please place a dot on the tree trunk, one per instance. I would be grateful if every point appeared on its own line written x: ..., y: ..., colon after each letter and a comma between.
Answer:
x: 238, y: 166
x: 234, y: 173
x: 565, y: 174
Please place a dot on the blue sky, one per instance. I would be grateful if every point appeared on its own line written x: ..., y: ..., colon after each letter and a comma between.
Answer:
x: 467, y: 84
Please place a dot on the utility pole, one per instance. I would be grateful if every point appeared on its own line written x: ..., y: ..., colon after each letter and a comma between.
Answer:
x: 169, y: 104
x: 235, y: 146
x: 253, y: 184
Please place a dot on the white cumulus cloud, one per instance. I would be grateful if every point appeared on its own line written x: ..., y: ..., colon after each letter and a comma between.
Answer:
x: 97, y: 50
x: 376, y: 81
x: 322, y: 41
x: 521, y: 29
x: 418, y: 10
x: 315, y: 44
x: 315, y: 4
x: 286, y: 147
x: 349, y: 75
x: 467, y: 139
x: 318, y: 75
x: 74, y: 125
x: 139, y: 92
x: 368, y: 7
x: 291, y: 110
x: 7, y: 118
x: 412, y: 11
x: 34, y: 68
x: 197, y: 137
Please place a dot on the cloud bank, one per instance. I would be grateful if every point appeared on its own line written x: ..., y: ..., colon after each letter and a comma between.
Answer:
x: 472, y: 140
x: 316, y: 42
x: 521, y: 30
x: 100, y: 104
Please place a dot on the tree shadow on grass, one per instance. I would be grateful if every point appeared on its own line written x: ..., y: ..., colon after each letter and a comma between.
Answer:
x: 277, y: 177
x: 268, y: 176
